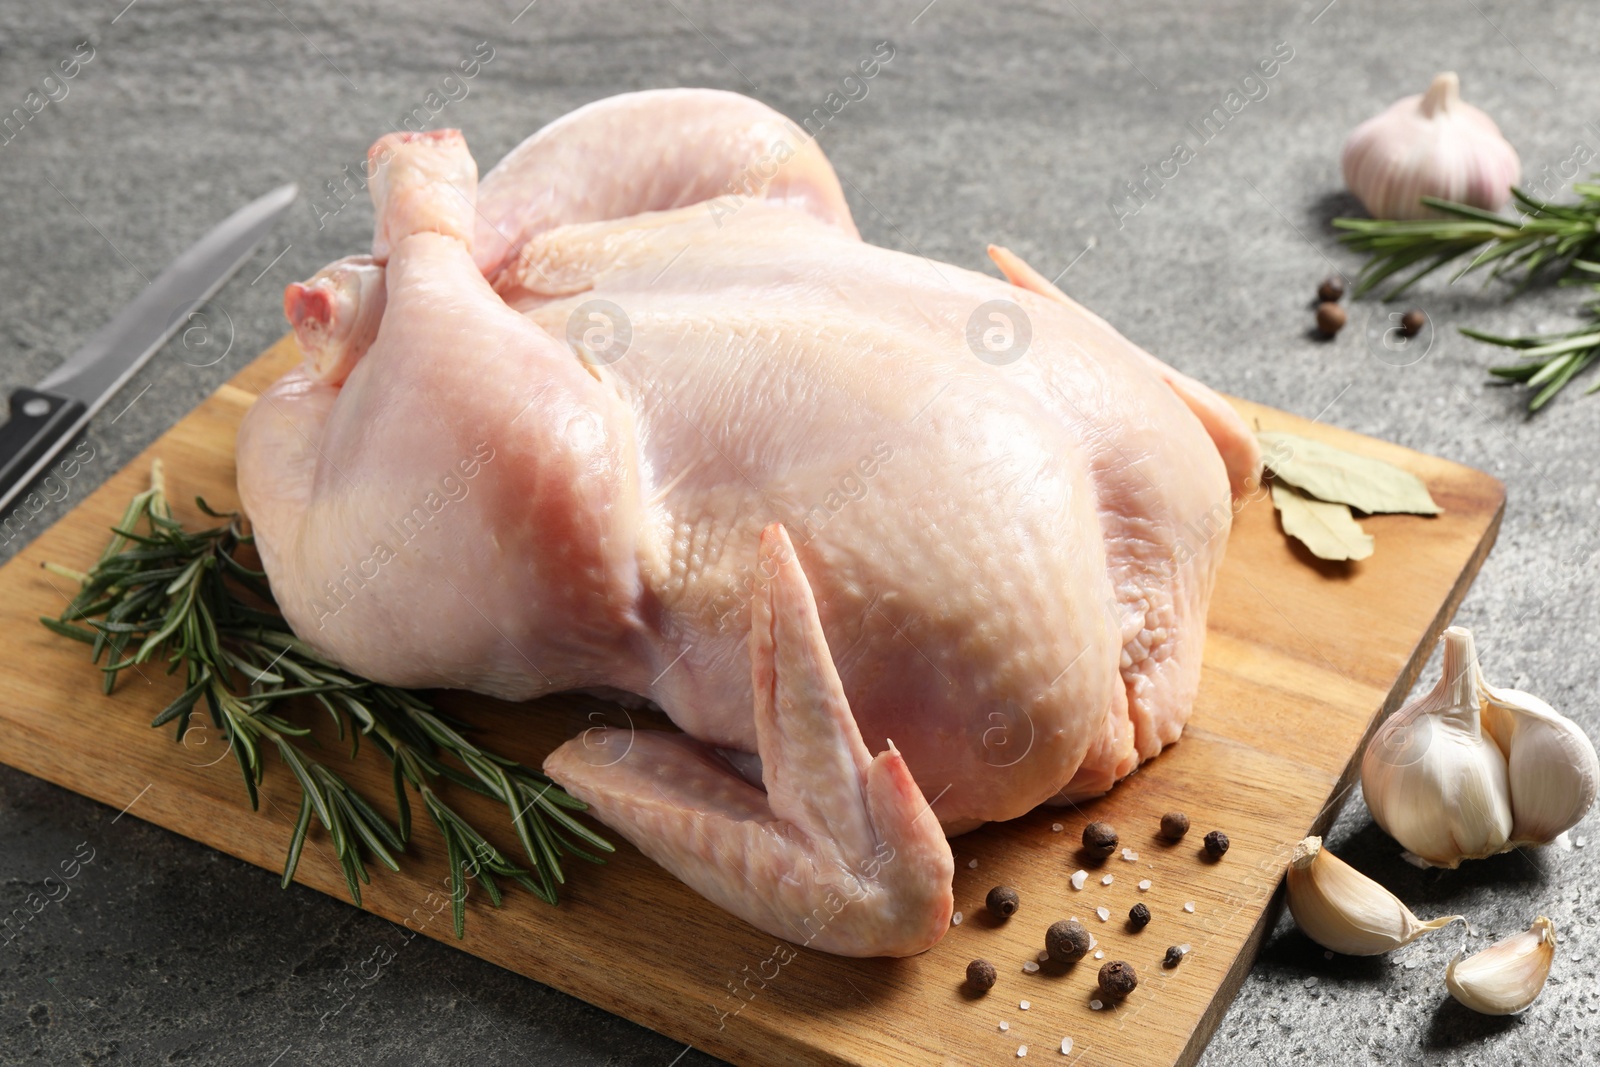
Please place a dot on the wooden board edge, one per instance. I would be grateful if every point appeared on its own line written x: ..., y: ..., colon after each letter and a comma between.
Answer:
x: 1233, y: 981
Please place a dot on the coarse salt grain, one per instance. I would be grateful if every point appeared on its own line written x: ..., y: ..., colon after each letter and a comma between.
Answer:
x: 955, y: 920
x: 1095, y: 1005
x: 1104, y: 913
x: 1100, y: 955
x: 1078, y: 878
x: 1004, y: 1026
x: 1044, y: 954
x: 1579, y: 842
x: 1130, y: 855
x: 1107, y: 880
x: 1055, y: 827
x: 1144, y: 886
x: 1311, y: 982
x: 1188, y: 905
x: 972, y: 865
x: 1024, y: 1005
x: 1022, y: 1050
x: 1030, y: 968
x: 1066, y: 1046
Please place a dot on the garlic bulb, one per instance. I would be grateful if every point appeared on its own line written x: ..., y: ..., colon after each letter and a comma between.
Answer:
x: 1506, y: 977
x: 1429, y: 145
x: 1467, y: 770
x: 1342, y: 909
x: 1433, y: 779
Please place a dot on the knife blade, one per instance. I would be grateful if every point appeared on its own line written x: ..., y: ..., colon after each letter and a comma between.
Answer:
x: 44, y: 419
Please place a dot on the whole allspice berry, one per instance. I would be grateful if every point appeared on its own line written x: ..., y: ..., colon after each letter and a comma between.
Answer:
x: 1331, y: 290
x: 1100, y: 837
x: 1067, y: 941
x: 1330, y: 318
x: 1138, y: 916
x: 1216, y: 844
x: 981, y: 975
x: 1412, y: 322
x: 1117, y: 979
x: 1002, y: 902
x: 1174, y: 824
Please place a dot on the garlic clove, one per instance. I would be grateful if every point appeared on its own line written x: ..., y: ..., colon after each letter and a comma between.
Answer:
x: 1433, y: 779
x: 1342, y: 909
x: 1551, y: 766
x: 1506, y: 977
x: 1432, y: 144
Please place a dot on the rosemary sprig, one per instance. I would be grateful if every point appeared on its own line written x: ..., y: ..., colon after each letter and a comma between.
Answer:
x: 1549, y: 361
x: 160, y: 591
x: 1558, y: 242
x: 1550, y: 241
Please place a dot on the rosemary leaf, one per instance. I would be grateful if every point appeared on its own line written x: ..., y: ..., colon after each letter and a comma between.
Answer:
x: 302, y: 826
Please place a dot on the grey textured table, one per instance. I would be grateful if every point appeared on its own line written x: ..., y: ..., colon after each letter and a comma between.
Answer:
x: 1012, y: 124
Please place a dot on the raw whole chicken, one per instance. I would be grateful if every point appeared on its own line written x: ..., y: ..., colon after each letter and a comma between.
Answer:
x: 902, y: 548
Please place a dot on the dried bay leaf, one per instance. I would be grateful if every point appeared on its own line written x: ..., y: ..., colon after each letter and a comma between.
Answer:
x: 1328, y: 530
x: 1340, y: 477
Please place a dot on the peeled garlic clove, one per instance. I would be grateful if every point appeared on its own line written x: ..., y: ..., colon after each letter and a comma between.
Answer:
x: 1429, y: 145
x: 1551, y: 764
x: 1342, y: 909
x: 1505, y: 978
x: 1433, y: 779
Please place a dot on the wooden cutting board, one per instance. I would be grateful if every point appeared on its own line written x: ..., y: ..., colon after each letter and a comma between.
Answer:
x: 1302, y: 659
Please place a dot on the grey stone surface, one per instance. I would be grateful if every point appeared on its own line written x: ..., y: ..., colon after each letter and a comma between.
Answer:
x: 992, y: 122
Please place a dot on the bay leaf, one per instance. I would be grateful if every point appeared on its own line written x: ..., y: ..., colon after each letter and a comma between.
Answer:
x: 1341, y: 477
x: 1328, y: 530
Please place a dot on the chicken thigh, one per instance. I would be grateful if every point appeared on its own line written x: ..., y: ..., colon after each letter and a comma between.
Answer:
x: 643, y: 413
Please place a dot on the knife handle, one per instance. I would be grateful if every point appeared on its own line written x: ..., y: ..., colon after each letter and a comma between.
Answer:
x: 40, y: 426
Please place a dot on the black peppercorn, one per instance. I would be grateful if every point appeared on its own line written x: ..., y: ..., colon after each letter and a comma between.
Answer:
x: 1331, y: 289
x: 1002, y: 902
x: 1117, y: 979
x: 1174, y: 824
x: 1216, y: 844
x: 1067, y: 941
x: 981, y: 975
x: 1100, y: 837
x: 1330, y: 318
x: 1138, y: 916
x: 1412, y: 322
x: 1173, y: 957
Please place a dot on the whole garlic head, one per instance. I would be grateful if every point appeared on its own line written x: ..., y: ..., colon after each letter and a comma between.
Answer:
x: 1433, y: 779
x: 1467, y: 770
x: 1432, y: 144
x: 1507, y: 976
